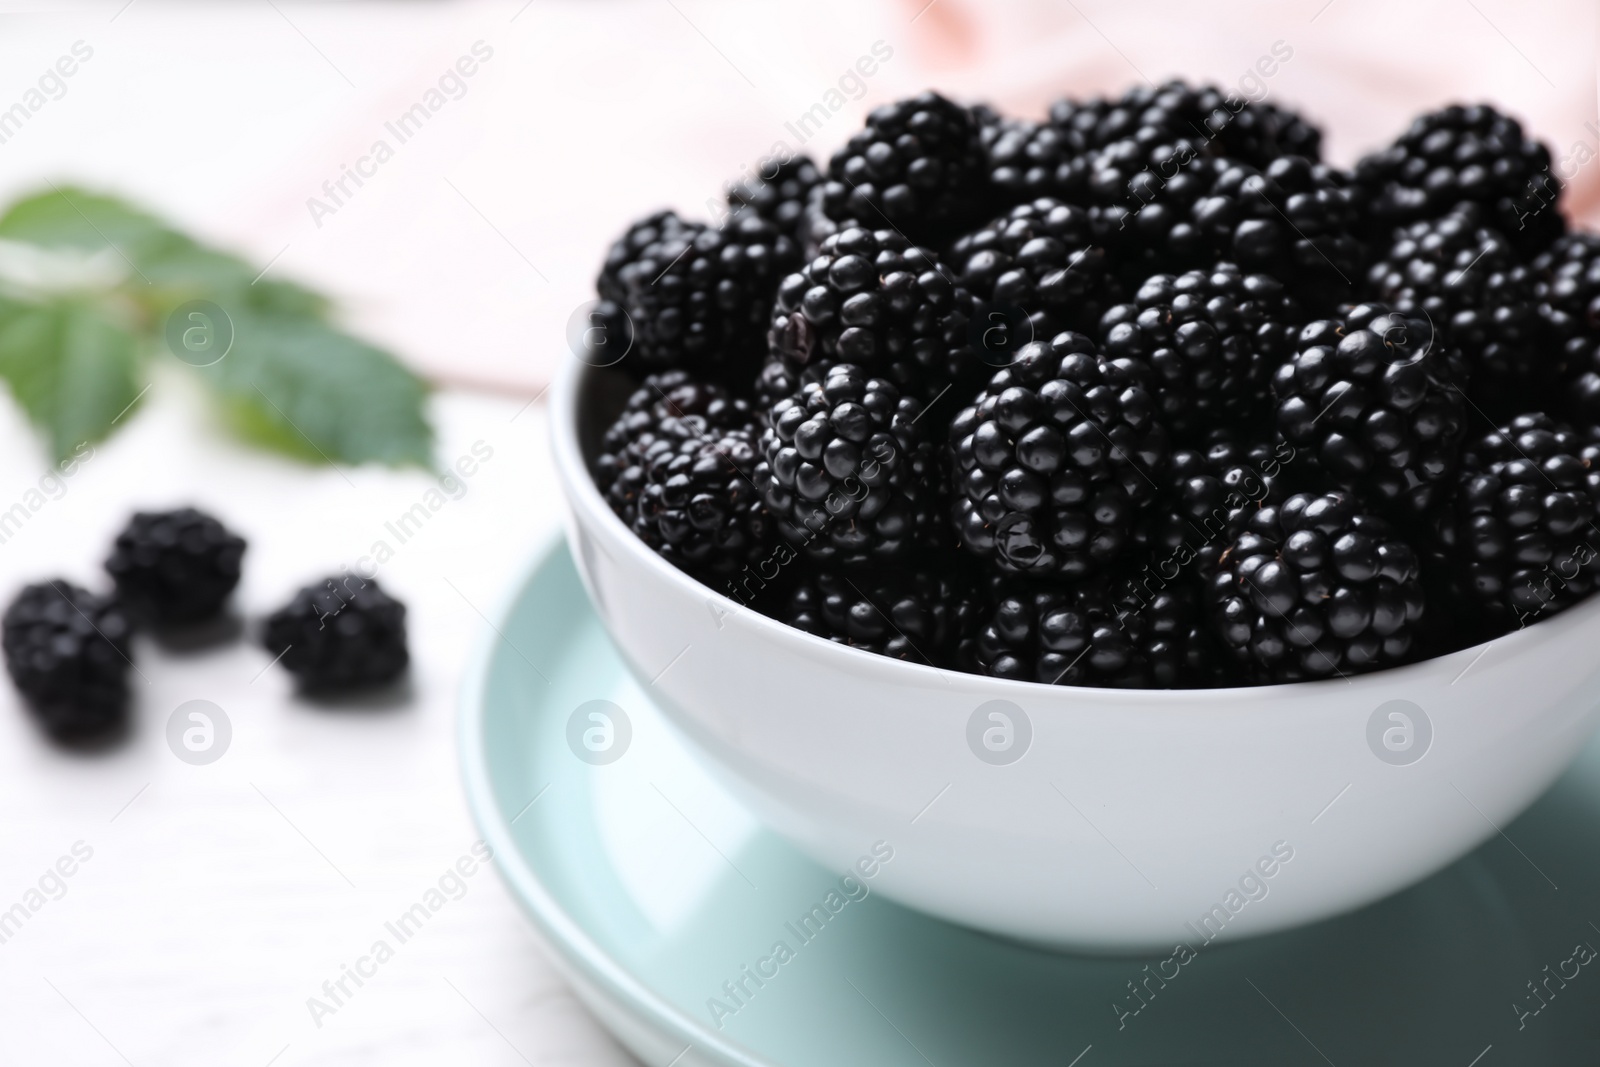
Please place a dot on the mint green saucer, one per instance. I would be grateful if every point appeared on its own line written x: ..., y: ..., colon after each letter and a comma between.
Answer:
x: 664, y: 904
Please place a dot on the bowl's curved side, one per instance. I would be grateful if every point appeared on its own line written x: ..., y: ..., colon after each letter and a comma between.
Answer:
x: 1124, y: 818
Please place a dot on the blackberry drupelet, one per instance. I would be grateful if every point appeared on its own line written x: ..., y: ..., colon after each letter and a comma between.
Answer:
x: 1053, y: 460
x: 68, y: 654
x: 1100, y: 633
x: 175, y: 567
x: 1316, y: 587
x: 1473, y: 286
x: 780, y: 196
x: 1036, y: 263
x: 1460, y: 154
x: 1214, y: 339
x: 343, y: 633
x: 1569, y: 317
x: 1522, y: 540
x: 692, y: 500
x: 917, y: 166
x: 1375, y: 403
x: 697, y: 297
x: 914, y: 614
x: 871, y: 299
x: 848, y: 475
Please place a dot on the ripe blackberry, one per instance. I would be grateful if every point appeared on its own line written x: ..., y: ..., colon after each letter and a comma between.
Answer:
x: 1035, y: 263
x: 1029, y: 160
x: 175, y: 567
x: 1205, y: 117
x: 697, y: 297
x: 914, y: 614
x: 1202, y: 494
x: 342, y: 633
x: 780, y: 197
x: 1375, y: 402
x: 692, y: 500
x: 1474, y: 288
x: 1213, y: 338
x: 848, y: 475
x: 1460, y: 154
x: 916, y: 166
x: 68, y: 653
x: 1315, y: 587
x: 1522, y: 540
x: 1293, y: 220
x: 1054, y: 458
x: 871, y: 299
x: 1569, y: 315
x: 1099, y: 633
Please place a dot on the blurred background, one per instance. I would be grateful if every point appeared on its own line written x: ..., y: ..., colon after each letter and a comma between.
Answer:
x: 218, y: 898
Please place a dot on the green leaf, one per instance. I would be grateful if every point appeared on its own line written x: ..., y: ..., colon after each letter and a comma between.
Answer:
x: 71, y: 366
x: 165, y: 267
x: 302, y: 387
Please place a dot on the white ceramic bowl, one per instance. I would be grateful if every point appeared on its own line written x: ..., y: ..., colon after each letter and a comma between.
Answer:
x: 1130, y: 820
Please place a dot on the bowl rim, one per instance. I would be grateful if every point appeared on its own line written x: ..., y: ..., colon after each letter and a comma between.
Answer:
x: 583, y: 496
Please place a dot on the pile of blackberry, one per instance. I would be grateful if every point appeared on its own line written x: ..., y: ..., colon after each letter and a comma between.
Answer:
x: 1139, y: 394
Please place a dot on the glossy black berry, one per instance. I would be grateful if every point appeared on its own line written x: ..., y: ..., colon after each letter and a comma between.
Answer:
x: 871, y: 299
x: 1202, y: 494
x: 343, y: 633
x: 1472, y: 285
x: 1108, y: 632
x: 1316, y: 587
x: 697, y: 297
x: 1457, y: 154
x: 1293, y: 219
x: 1568, y: 291
x: 175, y: 567
x: 1522, y: 540
x: 1036, y: 273
x: 913, y: 613
x: 1374, y: 402
x: 1214, y: 339
x: 1054, y: 459
x: 68, y: 653
x: 847, y: 473
x: 917, y: 166
x: 778, y: 192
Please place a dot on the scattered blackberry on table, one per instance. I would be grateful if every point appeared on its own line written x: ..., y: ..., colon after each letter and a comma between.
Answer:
x: 1522, y: 540
x: 68, y: 653
x: 1568, y: 291
x: 343, y: 633
x: 1461, y: 154
x: 1473, y: 287
x: 175, y: 567
x: 1214, y: 339
x: 872, y: 299
x: 1036, y: 271
x: 1100, y: 633
x: 1316, y: 587
x: 915, y: 614
x: 917, y: 166
x: 780, y: 196
x: 1053, y: 460
x: 846, y: 472
x: 696, y: 296
x: 1375, y: 402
